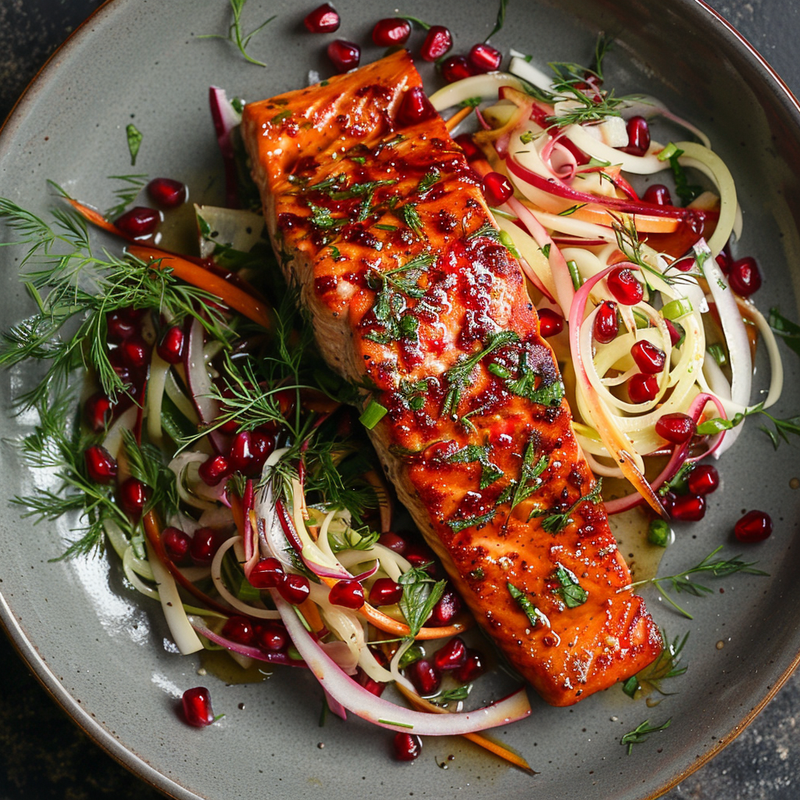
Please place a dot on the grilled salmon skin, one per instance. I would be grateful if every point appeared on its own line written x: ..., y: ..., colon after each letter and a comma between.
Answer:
x: 381, y: 224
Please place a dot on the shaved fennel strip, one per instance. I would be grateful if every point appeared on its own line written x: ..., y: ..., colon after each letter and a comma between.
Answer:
x: 156, y: 383
x: 219, y: 585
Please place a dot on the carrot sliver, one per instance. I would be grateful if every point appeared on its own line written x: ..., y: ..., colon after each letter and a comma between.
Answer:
x: 459, y: 116
x: 202, y: 278
x: 476, y: 738
x: 95, y: 217
x: 310, y: 612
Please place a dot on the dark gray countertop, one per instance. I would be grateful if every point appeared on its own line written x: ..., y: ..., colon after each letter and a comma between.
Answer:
x: 43, y: 755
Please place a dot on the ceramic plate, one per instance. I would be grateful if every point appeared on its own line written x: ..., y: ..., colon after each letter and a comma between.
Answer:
x: 104, y: 653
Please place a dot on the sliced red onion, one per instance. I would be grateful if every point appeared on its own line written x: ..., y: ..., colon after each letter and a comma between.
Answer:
x: 335, y: 707
x: 225, y: 118
x: 381, y: 712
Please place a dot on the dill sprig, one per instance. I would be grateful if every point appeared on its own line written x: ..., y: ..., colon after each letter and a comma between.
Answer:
x: 125, y: 194
x: 235, y: 34
x: 666, y: 666
x: 640, y: 733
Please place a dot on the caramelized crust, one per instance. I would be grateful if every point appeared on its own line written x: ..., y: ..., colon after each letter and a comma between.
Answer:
x: 384, y: 230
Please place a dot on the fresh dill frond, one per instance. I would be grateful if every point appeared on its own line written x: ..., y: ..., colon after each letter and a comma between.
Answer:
x: 235, y: 34
x: 125, y: 194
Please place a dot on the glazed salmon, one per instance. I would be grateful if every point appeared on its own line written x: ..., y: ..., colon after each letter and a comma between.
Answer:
x: 381, y: 224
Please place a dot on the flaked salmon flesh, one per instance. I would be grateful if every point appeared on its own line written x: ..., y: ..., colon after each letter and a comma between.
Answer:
x: 384, y: 230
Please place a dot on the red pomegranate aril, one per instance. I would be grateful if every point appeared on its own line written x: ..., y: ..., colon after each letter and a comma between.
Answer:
x: 97, y: 412
x: 606, y: 325
x: 472, y: 668
x: 419, y: 555
x: 471, y: 150
x: 267, y: 574
x: 456, y: 68
x: 166, y: 192
x: 754, y: 526
x: 407, y: 746
x: 272, y: 637
x: 744, y: 276
x: 295, y: 589
x: 724, y: 262
x: 484, y: 58
x: 438, y: 42
x: 261, y: 446
x: 117, y: 361
x: 348, y: 594
x: 445, y: 610
x: 370, y: 685
x: 551, y: 323
x: 240, y: 630
x: 496, y: 188
x: 676, y: 428
x: 688, y: 507
x: 425, y: 676
x: 204, y: 546
x: 703, y: 480
x: 668, y: 501
x: 241, y: 456
x: 197, y: 707
x: 683, y: 264
x: 133, y: 495
x: 642, y: 388
x: 623, y: 285
x: 391, y: 31
x: 658, y: 195
x: 323, y: 19
x: 170, y: 348
x: 415, y: 107
x: 213, y: 470
x: 100, y: 466
x: 344, y: 55
x: 385, y: 592
x: 393, y: 541
x: 649, y: 358
x: 138, y: 222
x: 118, y: 327
x: 638, y: 136
x: 135, y: 352
x: 452, y: 655
x: 176, y: 543
x: 674, y: 334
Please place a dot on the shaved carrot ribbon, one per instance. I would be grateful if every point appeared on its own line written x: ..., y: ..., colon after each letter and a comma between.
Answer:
x: 458, y: 117
x: 487, y: 744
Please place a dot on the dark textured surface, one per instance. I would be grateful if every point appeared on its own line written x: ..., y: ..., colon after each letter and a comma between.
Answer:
x: 44, y: 755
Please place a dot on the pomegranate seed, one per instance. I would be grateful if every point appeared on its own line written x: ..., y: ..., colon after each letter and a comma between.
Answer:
x: 166, y: 192
x: 684, y: 264
x: 638, y: 136
x: 407, y: 746
x: 135, y: 352
x: 197, y: 707
x: 240, y: 630
x: 471, y: 150
x: 703, y: 480
x: 484, y: 58
x: 419, y: 555
x: 472, y: 668
x: 688, y: 507
x: 176, y: 543
x: 437, y: 42
x: 272, y: 637
x: 133, y: 495
x: 115, y: 358
x: 676, y: 428
x: 97, y: 412
x: 391, y: 31
x: 138, y: 222
x: 642, y: 388
x: 118, y: 327
x: 453, y: 655
x: 294, y: 589
x: 100, y: 466
x: 745, y: 276
x: 658, y: 195
x: 415, y: 107
x: 385, y: 592
x: 267, y: 574
x: 623, y: 285
x: 394, y: 542
x: 370, y: 685
x: 213, y: 470
x: 170, y: 348
x: 551, y: 323
x: 348, y: 594
x: 606, y: 324
x: 456, y: 68
x: 648, y: 357
x: 675, y: 335
x: 668, y: 501
x: 754, y: 526
x: 261, y: 446
x: 446, y: 609
x: 241, y: 457
x: 425, y: 676
x: 323, y: 19
x: 724, y: 262
x: 496, y: 188
x: 204, y: 546
x: 344, y: 55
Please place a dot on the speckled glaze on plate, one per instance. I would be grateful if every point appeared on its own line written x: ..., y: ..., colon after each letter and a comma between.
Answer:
x: 104, y: 653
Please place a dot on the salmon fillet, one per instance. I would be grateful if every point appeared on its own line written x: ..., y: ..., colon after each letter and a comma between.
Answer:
x: 413, y: 296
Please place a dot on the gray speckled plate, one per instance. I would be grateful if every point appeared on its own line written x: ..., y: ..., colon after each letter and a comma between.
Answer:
x: 104, y: 653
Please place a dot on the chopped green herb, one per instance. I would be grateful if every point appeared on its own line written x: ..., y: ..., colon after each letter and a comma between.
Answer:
x: 235, y: 34
x: 529, y: 475
x: 471, y: 453
x: 640, y: 733
x: 501, y: 19
x: 666, y: 666
x: 677, y: 308
x: 452, y: 695
x: 126, y: 194
x: 575, y: 274
x: 786, y: 329
x: 570, y: 591
x: 373, y: 414
x: 458, y: 525
x: 568, y: 212
x: 659, y: 533
x: 556, y: 522
x: 526, y: 604
x: 412, y: 218
x: 134, y: 137
x: 717, y: 352
x: 420, y: 594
